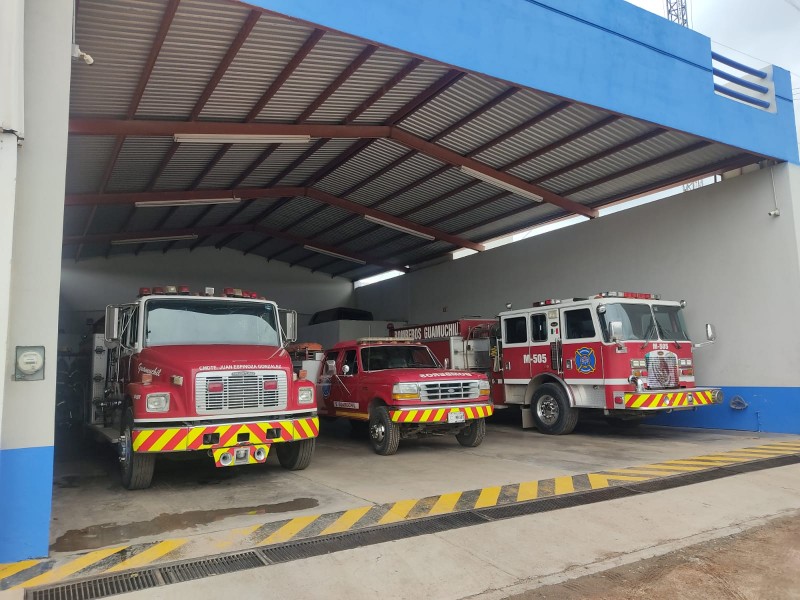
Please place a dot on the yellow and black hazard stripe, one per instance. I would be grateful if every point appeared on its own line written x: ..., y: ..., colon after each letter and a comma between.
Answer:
x: 674, y: 399
x: 440, y: 415
x: 108, y: 560
x: 180, y: 439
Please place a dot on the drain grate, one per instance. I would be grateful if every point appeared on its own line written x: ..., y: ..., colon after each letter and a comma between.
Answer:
x: 100, y: 587
x: 104, y: 586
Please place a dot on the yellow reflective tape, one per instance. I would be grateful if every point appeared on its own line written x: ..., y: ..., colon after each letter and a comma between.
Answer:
x: 291, y: 529
x: 528, y: 490
x: 440, y: 415
x: 563, y: 485
x: 426, y: 415
x: 347, y: 520
x: 71, y: 567
x: 288, y: 427
x: 148, y: 556
x: 640, y: 400
x: 194, y: 433
x: 10, y: 569
x: 411, y: 415
x: 468, y: 412
x: 141, y: 438
x: 398, y: 512
x: 163, y: 440
x: 307, y: 428
x: 445, y: 504
x: 659, y: 399
x: 488, y: 497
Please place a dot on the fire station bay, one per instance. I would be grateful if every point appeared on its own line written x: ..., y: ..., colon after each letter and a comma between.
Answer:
x: 457, y: 299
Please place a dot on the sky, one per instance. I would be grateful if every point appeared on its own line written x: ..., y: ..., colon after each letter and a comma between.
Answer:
x: 760, y: 31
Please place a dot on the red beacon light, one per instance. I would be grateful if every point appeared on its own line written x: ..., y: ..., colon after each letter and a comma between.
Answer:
x: 144, y: 292
x: 184, y: 290
x: 632, y: 295
x: 158, y: 290
x: 546, y: 302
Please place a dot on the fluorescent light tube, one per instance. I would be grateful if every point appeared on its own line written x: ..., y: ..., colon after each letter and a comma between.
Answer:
x: 152, y: 240
x: 244, y: 138
x: 198, y: 202
x: 501, y: 184
x: 335, y: 255
x: 396, y: 227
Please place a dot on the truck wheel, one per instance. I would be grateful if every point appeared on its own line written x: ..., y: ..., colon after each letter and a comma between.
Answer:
x: 295, y: 456
x: 472, y: 435
x: 383, y: 432
x: 137, y: 467
x: 551, y: 410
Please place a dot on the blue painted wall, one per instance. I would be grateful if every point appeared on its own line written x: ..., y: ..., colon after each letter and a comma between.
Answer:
x: 772, y: 409
x: 606, y: 53
x: 26, y: 489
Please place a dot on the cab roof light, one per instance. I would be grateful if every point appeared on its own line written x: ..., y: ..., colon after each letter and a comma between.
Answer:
x: 633, y: 295
x: 546, y: 302
x: 144, y: 292
x: 209, y: 291
x: 171, y: 289
x: 382, y: 340
x: 184, y: 290
x: 158, y: 291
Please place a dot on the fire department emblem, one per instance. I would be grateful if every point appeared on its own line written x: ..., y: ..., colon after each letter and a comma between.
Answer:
x: 585, y: 360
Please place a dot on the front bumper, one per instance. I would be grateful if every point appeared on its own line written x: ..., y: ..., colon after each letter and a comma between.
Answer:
x: 441, y: 414
x: 680, y: 399
x: 214, y: 437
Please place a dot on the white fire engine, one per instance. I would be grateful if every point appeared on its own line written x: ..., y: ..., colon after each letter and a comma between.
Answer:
x: 624, y: 354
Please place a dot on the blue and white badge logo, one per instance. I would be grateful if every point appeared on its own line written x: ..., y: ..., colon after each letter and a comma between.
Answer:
x: 585, y: 360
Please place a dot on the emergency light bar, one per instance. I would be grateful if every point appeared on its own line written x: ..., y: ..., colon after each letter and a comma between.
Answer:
x: 633, y: 295
x: 546, y: 302
x: 501, y: 184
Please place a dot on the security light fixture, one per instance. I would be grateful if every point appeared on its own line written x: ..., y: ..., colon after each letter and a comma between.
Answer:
x: 400, y: 228
x: 194, y: 202
x: 154, y: 239
x: 244, y: 138
x: 335, y: 255
x: 501, y: 184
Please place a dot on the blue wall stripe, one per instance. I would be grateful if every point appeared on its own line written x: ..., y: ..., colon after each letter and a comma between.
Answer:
x: 769, y: 409
x: 26, y: 489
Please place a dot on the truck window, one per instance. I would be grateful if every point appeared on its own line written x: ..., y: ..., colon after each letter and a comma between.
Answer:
x: 133, y: 328
x: 378, y: 358
x: 539, y: 328
x: 579, y: 324
x: 514, y: 331
x: 350, y: 361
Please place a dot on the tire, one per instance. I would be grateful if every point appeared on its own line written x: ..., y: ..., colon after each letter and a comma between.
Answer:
x: 472, y: 435
x: 384, y: 434
x: 296, y: 456
x: 551, y: 410
x: 137, y: 467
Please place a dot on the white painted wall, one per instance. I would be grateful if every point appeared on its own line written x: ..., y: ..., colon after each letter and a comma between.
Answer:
x: 89, y: 285
x: 716, y: 247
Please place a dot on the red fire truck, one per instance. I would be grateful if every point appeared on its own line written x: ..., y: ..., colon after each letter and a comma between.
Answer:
x: 183, y: 372
x: 626, y: 355
x: 399, y: 390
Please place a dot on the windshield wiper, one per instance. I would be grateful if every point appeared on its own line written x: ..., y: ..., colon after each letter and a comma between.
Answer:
x: 666, y: 339
x: 651, y: 327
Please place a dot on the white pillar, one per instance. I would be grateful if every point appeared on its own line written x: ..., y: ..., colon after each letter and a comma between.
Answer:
x: 37, y: 208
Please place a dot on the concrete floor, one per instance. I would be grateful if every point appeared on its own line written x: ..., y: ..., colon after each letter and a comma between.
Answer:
x: 507, y: 558
x: 192, y: 497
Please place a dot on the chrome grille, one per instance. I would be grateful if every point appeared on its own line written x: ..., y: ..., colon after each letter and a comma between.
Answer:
x: 662, y: 371
x: 449, y: 390
x: 242, y: 391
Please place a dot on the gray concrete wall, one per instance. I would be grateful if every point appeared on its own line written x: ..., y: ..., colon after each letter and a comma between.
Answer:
x: 716, y: 247
x: 89, y: 285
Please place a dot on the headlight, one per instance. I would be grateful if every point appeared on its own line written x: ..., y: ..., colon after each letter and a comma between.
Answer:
x: 305, y: 395
x: 686, y: 362
x: 483, y: 385
x: 157, y: 402
x: 405, y: 391
x: 638, y: 364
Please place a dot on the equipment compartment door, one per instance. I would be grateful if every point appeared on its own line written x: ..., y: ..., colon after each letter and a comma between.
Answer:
x: 545, y: 347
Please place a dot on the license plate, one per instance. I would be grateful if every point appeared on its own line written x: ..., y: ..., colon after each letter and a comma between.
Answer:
x: 456, y: 417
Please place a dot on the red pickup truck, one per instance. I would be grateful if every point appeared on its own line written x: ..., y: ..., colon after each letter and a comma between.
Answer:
x: 401, y: 391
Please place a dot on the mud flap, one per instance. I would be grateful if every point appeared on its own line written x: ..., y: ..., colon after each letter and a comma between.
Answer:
x: 527, y: 417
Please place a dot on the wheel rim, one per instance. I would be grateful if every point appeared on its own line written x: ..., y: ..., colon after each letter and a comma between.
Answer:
x: 377, y: 432
x: 547, y: 410
x: 125, y: 450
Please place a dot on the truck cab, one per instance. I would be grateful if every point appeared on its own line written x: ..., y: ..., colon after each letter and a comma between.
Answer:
x: 400, y: 390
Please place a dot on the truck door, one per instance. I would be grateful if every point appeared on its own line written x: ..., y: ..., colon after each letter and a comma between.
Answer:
x: 327, y: 390
x: 545, y: 347
x: 581, y: 347
x: 345, y: 389
x: 516, y: 346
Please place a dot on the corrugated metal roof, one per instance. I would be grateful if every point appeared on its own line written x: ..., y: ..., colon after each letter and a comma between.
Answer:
x: 119, y: 34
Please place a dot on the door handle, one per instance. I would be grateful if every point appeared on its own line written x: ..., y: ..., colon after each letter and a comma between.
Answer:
x: 508, y: 366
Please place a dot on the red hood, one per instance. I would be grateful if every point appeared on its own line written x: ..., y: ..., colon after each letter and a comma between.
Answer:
x: 215, y: 357
x: 421, y: 375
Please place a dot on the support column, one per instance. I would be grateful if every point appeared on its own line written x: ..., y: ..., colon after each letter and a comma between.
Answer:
x: 30, y: 278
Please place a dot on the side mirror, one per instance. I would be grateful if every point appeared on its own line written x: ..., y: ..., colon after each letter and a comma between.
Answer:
x: 345, y: 369
x: 615, y: 330
x: 711, y: 333
x: 112, y: 323
x: 291, y: 326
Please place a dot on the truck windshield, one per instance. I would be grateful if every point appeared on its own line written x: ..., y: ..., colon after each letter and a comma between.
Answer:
x: 638, y: 322
x: 194, y: 322
x: 377, y: 358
